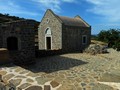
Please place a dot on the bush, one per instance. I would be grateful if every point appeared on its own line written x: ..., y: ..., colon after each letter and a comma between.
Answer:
x: 117, y: 46
x: 112, y: 37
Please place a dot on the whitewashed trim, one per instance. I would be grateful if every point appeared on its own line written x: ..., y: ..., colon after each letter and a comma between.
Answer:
x: 46, y: 41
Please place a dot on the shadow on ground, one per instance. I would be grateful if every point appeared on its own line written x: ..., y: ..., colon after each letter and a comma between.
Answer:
x: 53, y: 63
x: 7, y: 65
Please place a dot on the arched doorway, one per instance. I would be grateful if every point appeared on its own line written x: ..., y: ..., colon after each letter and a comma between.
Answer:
x: 12, y: 43
x: 48, y: 40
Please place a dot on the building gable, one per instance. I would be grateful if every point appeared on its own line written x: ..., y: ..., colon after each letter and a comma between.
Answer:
x: 49, y: 11
x: 51, y: 22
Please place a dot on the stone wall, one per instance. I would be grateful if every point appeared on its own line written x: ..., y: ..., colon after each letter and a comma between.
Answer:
x: 1, y: 37
x: 50, y: 21
x: 71, y: 41
x: 87, y: 32
x: 45, y: 53
x: 24, y: 32
x: 72, y: 38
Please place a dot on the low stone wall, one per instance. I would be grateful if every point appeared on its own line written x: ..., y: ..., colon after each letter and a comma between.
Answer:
x: 45, y: 53
x: 4, y: 56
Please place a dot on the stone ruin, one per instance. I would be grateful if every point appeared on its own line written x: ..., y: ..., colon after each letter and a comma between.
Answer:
x: 18, y: 37
x: 94, y: 49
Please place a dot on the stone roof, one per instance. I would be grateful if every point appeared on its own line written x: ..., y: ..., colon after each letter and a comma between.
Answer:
x: 73, y: 21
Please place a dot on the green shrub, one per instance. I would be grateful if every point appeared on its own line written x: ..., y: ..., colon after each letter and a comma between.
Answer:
x: 112, y: 37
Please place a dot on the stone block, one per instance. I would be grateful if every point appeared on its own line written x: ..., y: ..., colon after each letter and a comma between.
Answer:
x: 15, y: 82
x: 47, y: 87
x: 34, y: 88
x: 54, y: 84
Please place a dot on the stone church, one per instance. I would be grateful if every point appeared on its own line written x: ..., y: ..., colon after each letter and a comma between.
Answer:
x: 63, y: 33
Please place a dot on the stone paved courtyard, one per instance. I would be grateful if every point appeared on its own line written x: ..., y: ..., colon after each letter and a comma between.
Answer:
x: 74, y: 71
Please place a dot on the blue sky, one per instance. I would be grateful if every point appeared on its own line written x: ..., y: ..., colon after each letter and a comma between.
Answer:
x: 100, y: 14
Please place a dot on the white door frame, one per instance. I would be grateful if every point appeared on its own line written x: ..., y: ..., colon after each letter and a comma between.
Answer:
x: 46, y: 41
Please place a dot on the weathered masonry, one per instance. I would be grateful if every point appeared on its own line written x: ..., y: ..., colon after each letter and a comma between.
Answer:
x: 63, y: 33
x: 18, y: 38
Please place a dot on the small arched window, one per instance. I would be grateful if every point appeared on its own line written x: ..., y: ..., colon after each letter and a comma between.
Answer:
x: 48, y: 31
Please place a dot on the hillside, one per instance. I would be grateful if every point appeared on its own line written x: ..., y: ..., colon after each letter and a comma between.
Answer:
x: 7, y: 18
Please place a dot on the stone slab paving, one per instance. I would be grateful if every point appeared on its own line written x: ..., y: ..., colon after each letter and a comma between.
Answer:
x: 75, y: 71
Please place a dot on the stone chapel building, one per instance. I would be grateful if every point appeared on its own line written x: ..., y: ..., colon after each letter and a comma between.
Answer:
x: 63, y: 33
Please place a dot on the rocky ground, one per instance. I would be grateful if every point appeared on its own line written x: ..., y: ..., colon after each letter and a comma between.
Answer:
x: 74, y: 71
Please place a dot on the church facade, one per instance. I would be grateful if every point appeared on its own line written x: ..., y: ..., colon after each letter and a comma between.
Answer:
x: 63, y: 33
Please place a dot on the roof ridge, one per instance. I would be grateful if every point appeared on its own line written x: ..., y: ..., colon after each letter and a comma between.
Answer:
x: 73, y: 21
x: 68, y: 17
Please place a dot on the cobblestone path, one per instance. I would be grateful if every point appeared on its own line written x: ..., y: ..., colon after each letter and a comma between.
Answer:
x: 75, y: 71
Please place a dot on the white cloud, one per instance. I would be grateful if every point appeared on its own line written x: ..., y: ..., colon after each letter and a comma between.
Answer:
x: 52, y: 4
x: 69, y: 1
x: 109, y: 9
x: 12, y: 8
